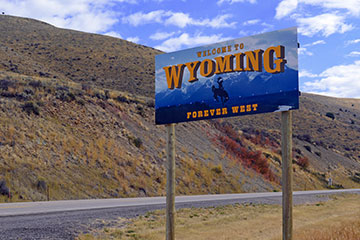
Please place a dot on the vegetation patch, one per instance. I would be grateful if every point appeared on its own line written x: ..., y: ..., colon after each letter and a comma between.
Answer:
x: 337, y: 218
x: 303, y: 162
x: 233, y: 143
x: 330, y: 115
x: 31, y: 107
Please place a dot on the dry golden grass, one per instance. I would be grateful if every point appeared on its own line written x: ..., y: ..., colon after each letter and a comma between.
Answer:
x: 337, y: 219
x: 345, y: 230
x: 94, y: 59
x: 82, y: 141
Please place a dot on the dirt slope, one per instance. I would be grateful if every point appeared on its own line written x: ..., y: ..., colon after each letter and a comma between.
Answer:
x: 36, y: 48
x: 77, y: 118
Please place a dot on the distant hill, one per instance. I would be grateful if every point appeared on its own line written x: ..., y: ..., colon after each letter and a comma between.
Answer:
x: 323, y: 122
x: 77, y: 117
x: 36, y: 48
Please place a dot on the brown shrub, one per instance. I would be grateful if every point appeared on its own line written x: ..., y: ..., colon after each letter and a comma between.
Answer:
x: 248, y: 158
x: 303, y: 162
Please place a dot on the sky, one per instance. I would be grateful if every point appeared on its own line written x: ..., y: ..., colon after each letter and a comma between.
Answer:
x: 329, y: 30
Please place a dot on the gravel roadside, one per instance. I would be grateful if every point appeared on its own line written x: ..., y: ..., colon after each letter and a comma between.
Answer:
x: 67, y: 225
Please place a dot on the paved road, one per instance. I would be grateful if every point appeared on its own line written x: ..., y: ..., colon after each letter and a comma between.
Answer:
x: 65, y: 219
x: 30, y: 208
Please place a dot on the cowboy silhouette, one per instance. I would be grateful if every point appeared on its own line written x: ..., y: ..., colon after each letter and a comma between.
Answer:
x: 220, y: 92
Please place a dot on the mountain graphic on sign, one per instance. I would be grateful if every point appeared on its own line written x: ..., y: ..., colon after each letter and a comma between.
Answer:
x: 237, y: 85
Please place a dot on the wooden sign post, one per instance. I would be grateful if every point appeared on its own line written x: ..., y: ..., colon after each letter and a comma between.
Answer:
x: 170, y: 183
x: 287, y: 191
x: 208, y: 95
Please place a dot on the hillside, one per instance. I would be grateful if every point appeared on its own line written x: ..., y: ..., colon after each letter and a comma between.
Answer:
x: 35, y: 48
x: 77, y: 117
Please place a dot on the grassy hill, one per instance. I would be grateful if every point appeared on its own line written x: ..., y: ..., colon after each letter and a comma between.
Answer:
x: 36, y: 48
x: 77, y: 117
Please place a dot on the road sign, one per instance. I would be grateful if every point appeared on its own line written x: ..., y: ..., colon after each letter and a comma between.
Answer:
x: 249, y: 75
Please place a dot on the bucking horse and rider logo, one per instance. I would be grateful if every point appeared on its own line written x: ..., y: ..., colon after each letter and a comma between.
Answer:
x: 220, y: 93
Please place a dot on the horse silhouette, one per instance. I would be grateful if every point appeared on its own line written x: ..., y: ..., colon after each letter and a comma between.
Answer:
x: 220, y: 92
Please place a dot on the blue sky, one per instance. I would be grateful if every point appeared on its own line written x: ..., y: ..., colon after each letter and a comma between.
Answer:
x: 329, y: 30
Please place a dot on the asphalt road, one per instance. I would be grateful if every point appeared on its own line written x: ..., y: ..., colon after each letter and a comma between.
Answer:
x: 66, y: 219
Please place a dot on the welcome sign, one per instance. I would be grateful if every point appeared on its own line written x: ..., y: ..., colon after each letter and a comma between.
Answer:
x: 250, y: 75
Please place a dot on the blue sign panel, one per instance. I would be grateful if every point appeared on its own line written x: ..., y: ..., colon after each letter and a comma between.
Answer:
x: 250, y: 75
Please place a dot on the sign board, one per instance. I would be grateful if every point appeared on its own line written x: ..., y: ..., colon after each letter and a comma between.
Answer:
x: 250, y: 75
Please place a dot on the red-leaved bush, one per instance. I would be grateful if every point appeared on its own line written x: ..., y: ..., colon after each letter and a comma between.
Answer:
x: 250, y: 159
x: 303, y: 162
x: 233, y: 144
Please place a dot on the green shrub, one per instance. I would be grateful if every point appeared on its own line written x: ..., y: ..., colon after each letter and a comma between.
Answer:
x: 151, y: 103
x: 30, y: 107
x: 330, y: 115
x: 107, y: 94
x: 80, y: 101
x: 6, y: 83
x: 217, y: 169
x: 308, y: 148
x: 137, y: 142
x: 122, y: 99
x: 65, y: 95
x: 100, y: 96
x: 41, y: 185
x: 303, y: 162
x: 141, y: 111
x: 35, y: 84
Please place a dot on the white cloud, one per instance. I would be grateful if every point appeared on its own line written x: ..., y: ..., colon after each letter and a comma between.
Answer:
x: 305, y: 73
x: 354, y: 54
x: 251, y: 22
x: 244, y: 33
x: 218, y: 22
x: 141, y: 18
x: 338, y: 81
x: 326, y: 24
x: 113, y: 34
x: 133, y: 39
x: 185, y: 40
x: 235, y: 1
x: 304, y: 51
x: 161, y: 35
x: 178, y: 19
x: 285, y: 7
x: 266, y: 28
x: 125, y: 1
x: 353, y: 41
x: 352, y: 6
x: 315, y: 43
x: 331, y: 18
x: 84, y: 15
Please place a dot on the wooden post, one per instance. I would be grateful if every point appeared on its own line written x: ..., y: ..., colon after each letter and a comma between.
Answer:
x: 286, y: 151
x: 48, y: 192
x: 170, y: 183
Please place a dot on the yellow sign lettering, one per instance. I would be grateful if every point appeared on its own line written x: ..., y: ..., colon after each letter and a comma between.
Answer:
x: 273, y: 60
x: 174, y: 75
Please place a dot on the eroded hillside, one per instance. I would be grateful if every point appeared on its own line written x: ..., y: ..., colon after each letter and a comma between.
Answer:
x: 36, y: 48
x: 87, y: 142
x: 77, y: 118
